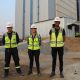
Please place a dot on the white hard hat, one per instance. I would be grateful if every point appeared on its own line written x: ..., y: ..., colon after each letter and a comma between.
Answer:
x: 33, y: 26
x: 57, y: 19
x: 9, y: 25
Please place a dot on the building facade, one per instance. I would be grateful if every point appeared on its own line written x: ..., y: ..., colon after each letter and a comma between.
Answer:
x: 38, y: 11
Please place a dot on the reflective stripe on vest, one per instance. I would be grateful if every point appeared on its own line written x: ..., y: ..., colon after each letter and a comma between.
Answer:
x: 33, y: 43
x: 6, y: 67
x: 56, y: 42
x: 10, y: 43
x: 17, y: 67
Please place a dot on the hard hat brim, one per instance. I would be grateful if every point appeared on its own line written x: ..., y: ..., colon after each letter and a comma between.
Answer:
x: 9, y: 27
x: 33, y: 28
x: 57, y: 20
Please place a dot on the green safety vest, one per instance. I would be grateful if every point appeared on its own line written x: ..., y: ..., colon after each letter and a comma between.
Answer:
x: 10, y: 43
x: 33, y: 44
x: 56, y: 42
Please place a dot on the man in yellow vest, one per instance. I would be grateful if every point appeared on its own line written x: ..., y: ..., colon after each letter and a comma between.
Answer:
x: 57, y: 38
x: 10, y: 41
x: 34, y: 43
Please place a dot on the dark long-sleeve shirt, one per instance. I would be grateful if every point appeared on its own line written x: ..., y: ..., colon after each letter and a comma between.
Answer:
x: 10, y: 36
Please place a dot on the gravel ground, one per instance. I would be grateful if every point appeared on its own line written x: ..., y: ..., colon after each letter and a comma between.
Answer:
x: 71, y: 65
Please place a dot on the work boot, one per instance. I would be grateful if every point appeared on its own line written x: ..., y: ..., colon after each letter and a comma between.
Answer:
x: 5, y: 75
x: 29, y: 72
x: 6, y: 72
x: 52, y: 74
x: 39, y: 73
x: 19, y: 72
x: 61, y: 75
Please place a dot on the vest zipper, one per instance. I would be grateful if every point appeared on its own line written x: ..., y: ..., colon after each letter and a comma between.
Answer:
x: 10, y: 43
x: 33, y: 44
x: 56, y: 41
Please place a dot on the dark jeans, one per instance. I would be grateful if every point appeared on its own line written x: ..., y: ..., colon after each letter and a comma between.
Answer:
x: 60, y: 52
x: 14, y: 53
x: 34, y: 54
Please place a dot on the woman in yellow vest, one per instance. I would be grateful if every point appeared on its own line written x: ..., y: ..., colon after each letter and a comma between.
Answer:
x: 10, y: 41
x: 57, y: 38
x: 34, y: 43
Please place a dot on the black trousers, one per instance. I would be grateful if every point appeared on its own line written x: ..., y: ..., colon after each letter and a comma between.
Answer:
x: 34, y: 54
x: 14, y: 53
x: 60, y: 52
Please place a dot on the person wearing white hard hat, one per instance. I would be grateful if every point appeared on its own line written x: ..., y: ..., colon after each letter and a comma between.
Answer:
x: 33, y: 26
x: 34, y: 43
x: 10, y: 41
x: 57, y: 39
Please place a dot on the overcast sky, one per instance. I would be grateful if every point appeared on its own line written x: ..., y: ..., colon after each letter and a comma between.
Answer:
x: 7, y: 13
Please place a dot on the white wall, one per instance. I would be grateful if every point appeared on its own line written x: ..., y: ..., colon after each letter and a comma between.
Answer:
x: 27, y: 17
x: 35, y: 10
x: 44, y: 28
x: 43, y: 10
x: 19, y: 17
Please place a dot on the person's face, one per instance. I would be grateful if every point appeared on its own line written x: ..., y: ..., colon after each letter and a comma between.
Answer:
x: 9, y: 29
x: 57, y: 23
x: 33, y: 30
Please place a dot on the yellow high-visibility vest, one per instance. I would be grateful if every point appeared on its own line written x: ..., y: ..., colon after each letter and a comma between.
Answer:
x: 56, y: 42
x: 10, y: 43
x: 33, y: 44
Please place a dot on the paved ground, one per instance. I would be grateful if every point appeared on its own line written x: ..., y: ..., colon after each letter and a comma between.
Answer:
x: 71, y: 65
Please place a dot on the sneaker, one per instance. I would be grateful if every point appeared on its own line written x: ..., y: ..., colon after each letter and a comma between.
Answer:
x: 52, y: 74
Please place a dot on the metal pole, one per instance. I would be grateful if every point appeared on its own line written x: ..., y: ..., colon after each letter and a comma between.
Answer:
x: 23, y: 29
x: 31, y: 12
x: 77, y: 10
x: 38, y: 12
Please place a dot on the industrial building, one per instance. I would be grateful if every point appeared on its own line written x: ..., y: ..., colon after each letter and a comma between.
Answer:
x: 42, y: 13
